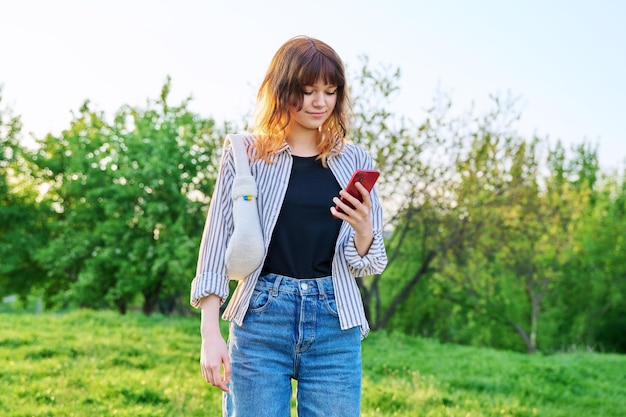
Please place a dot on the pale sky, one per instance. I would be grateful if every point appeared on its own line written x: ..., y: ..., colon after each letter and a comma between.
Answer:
x: 565, y: 59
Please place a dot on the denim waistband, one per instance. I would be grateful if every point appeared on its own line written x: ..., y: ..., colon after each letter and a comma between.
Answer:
x: 281, y: 283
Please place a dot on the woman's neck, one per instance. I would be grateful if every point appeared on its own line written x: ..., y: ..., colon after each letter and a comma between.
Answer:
x: 303, y: 142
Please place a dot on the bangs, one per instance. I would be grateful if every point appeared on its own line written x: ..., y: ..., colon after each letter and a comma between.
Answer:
x: 318, y: 66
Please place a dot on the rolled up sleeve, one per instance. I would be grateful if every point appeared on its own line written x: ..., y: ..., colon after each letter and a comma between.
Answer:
x: 211, y: 275
x: 374, y: 261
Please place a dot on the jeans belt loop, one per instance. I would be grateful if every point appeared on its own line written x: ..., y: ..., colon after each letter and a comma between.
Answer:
x: 320, y: 288
x: 277, y: 281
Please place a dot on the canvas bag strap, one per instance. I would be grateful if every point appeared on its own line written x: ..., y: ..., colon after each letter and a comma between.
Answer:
x: 243, y: 175
x: 242, y: 167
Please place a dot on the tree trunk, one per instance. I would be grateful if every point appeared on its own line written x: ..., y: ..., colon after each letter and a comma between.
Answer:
x: 151, y: 298
x: 404, y: 292
x: 524, y: 336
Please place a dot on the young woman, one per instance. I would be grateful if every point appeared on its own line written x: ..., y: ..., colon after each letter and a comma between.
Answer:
x: 299, y: 316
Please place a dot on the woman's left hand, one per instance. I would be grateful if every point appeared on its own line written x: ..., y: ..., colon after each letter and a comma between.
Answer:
x: 358, y: 217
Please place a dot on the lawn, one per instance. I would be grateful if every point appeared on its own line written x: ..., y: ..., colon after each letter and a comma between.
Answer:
x: 87, y: 363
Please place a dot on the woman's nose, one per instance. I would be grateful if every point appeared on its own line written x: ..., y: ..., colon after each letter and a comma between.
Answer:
x: 318, y: 98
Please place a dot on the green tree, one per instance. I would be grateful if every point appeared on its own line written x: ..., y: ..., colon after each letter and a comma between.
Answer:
x: 22, y: 227
x: 70, y: 165
x: 591, y: 307
x: 530, y: 213
x: 440, y: 181
x: 130, y: 198
x: 400, y: 152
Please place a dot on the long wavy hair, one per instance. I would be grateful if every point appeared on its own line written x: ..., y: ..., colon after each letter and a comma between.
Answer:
x: 300, y: 62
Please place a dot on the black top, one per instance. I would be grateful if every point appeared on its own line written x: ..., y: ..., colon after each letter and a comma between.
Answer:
x: 303, y: 241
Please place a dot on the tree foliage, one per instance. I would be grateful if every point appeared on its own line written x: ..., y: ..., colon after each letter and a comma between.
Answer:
x: 484, y: 225
x: 493, y: 238
x: 22, y: 218
x: 129, y: 199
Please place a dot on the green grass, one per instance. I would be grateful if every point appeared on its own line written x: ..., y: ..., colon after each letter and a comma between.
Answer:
x: 102, y: 364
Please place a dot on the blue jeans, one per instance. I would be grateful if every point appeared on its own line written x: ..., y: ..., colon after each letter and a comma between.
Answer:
x: 291, y: 331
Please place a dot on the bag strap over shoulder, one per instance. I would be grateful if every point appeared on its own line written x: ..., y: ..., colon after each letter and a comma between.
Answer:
x: 244, y: 185
x: 240, y: 153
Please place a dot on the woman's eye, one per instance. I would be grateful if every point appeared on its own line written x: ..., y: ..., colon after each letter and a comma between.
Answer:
x: 329, y: 93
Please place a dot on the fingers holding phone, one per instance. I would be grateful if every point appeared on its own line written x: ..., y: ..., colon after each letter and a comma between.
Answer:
x: 355, y: 200
x: 347, y: 203
x: 354, y: 207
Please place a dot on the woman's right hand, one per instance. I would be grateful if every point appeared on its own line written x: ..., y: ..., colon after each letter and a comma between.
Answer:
x: 214, y: 359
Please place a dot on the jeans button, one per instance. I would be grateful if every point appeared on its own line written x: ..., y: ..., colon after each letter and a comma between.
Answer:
x: 303, y: 286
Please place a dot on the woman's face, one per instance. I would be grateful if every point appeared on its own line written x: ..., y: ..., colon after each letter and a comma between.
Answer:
x: 318, y: 103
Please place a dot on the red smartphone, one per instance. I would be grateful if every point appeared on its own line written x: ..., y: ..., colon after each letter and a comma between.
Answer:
x: 367, y: 177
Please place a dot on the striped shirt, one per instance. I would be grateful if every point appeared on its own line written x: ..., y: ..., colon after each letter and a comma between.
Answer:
x: 272, y: 181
